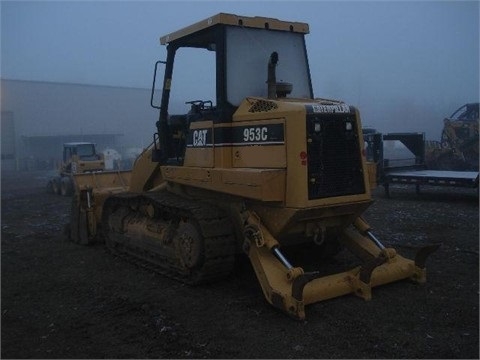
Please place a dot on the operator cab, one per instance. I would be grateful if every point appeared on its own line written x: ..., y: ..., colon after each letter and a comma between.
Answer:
x: 84, y: 151
x: 243, y: 51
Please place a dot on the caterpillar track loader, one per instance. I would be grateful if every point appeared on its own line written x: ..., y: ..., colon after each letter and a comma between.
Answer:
x: 262, y: 168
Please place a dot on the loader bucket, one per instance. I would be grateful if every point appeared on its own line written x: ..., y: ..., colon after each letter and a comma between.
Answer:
x: 105, y: 181
x: 290, y: 289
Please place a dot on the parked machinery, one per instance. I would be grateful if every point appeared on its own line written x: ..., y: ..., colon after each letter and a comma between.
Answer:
x: 265, y: 169
x: 78, y: 158
x: 458, y: 147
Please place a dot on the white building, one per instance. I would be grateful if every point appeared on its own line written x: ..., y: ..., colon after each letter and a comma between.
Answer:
x: 38, y: 117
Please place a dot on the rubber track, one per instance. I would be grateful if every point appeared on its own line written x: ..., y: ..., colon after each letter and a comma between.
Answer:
x: 215, y: 227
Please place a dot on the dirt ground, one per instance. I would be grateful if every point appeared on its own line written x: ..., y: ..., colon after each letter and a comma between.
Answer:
x: 61, y: 300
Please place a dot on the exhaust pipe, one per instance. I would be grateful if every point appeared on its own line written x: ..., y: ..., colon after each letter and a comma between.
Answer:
x: 272, y: 78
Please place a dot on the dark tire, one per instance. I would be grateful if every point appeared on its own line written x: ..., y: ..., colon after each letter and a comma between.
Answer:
x: 49, y: 187
x: 78, y: 224
x: 66, y: 186
x: 56, y: 185
x: 83, y: 238
x: 73, y: 235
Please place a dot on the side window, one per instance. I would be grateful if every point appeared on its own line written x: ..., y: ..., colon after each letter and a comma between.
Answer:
x: 194, y: 78
x: 68, y: 154
x: 460, y: 113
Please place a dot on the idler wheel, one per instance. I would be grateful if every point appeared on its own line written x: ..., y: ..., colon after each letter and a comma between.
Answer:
x: 189, y: 245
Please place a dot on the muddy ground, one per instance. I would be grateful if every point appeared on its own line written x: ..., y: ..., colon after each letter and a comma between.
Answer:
x: 61, y: 300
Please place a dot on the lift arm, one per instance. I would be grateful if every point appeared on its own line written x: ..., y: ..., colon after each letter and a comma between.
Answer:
x: 289, y: 288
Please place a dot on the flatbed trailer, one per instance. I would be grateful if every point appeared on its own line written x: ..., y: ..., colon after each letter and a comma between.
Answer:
x: 416, y: 177
x: 416, y: 174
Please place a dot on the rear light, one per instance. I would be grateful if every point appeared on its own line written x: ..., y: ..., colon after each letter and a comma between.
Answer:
x: 303, y: 157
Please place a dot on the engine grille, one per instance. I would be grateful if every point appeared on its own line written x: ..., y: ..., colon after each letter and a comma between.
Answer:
x: 262, y: 105
x: 333, y: 156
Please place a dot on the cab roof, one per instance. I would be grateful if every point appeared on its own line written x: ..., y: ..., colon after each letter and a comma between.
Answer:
x: 236, y: 20
x: 77, y: 143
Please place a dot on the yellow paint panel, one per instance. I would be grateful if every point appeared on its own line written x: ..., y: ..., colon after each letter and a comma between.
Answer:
x: 261, y: 153
x: 236, y: 20
x: 260, y: 184
x: 259, y: 156
x: 200, y: 156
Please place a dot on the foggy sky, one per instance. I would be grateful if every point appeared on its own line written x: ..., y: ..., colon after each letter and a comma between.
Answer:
x: 405, y: 65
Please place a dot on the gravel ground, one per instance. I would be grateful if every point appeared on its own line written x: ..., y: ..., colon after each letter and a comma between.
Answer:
x: 61, y: 300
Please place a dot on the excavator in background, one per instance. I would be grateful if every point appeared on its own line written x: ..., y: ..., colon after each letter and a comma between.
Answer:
x: 458, y: 148
x: 261, y: 169
x: 78, y: 158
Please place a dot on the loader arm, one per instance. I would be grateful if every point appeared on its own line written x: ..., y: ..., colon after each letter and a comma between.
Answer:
x: 290, y: 289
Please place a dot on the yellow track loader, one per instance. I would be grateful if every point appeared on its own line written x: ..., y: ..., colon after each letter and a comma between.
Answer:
x: 262, y: 168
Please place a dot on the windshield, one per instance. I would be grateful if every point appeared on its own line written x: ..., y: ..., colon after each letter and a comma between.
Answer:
x: 248, y: 53
x: 85, y: 150
x: 466, y: 112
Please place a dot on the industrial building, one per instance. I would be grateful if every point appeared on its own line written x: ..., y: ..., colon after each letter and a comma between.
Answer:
x: 38, y: 117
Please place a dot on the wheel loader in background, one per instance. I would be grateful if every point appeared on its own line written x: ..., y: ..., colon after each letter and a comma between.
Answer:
x: 263, y: 169
x: 458, y: 148
x: 78, y: 158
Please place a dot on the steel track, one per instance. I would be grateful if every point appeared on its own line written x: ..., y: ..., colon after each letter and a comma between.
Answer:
x: 214, y: 225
